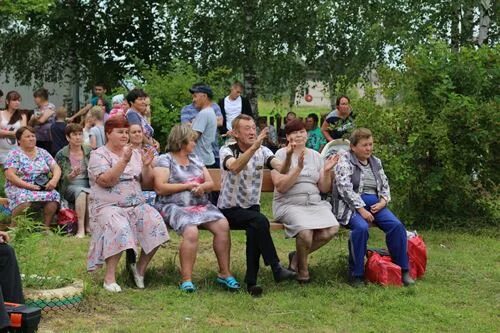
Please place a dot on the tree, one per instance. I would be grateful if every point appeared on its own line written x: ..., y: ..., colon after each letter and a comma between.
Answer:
x: 437, y: 134
x: 20, y: 9
x: 259, y: 39
x: 102, y: 41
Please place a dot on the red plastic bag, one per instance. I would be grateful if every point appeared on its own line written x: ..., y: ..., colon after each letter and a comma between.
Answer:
x: 417, y: 256
x: 67, y: 220
x: 380, y: 269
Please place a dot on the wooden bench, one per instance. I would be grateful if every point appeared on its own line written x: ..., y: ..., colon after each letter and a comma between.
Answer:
x: 267, y: 186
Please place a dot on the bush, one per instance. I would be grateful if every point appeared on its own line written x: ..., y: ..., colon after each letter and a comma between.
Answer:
x: 170, y: 92
x: 438, y: 135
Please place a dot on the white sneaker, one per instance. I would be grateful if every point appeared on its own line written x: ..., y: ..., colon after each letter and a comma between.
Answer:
x: 139, y: 280
x: 112, y: 287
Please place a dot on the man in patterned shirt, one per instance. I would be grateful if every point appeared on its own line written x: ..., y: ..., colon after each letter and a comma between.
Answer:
x: 242, y: 166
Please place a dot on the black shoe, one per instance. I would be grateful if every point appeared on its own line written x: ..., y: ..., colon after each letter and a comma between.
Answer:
x: 357, y: 281
x: 282, y: 274
x: 255, y: 291
x: 407, y: 280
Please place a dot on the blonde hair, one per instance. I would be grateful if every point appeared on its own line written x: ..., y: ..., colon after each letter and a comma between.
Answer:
x: 97, y: 112
x: 61, y: 113
x: 360, y: 134
x: 179, y: 136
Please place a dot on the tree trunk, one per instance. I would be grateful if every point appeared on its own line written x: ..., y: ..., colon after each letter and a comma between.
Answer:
x: 332, y: 93
x: 250, y: 82
x: 455, y: 28
x: 249, y: 74
x: 484, y: 21
x: 293, y: 93
x: 467, y: 33
x: 72, y: 99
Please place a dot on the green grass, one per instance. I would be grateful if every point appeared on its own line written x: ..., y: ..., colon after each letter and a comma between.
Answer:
x: 460, y: 292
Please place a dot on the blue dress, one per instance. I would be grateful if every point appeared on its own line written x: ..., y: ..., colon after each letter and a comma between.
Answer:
x: 184, y: 208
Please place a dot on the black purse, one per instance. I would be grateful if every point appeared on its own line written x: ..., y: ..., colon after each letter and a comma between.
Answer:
x: 42, y: 180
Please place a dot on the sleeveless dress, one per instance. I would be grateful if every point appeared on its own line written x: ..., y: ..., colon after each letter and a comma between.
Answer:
x: 184, y: 208
x: 7, y: 144
x: 301, y: 207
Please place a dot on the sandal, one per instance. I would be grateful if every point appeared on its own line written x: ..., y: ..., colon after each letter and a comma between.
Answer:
x: 229, y: 282
x: 187, y: 286
x: 290, y: 259
x: 303, y: 281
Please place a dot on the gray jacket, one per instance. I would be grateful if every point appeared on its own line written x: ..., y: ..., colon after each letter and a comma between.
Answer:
x: 346, y: 190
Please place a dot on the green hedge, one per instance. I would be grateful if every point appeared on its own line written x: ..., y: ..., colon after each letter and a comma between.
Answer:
x: 438, y: 135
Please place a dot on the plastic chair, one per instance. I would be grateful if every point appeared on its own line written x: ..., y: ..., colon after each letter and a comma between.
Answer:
x: 334, y: 147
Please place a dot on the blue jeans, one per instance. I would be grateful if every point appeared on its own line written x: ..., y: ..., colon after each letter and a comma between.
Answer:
x: 395, y: 237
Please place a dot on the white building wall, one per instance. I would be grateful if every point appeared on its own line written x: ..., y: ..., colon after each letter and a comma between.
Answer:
x: 60, y: 94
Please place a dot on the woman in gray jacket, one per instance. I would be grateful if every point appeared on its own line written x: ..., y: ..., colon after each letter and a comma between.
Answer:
x: 360, y: 196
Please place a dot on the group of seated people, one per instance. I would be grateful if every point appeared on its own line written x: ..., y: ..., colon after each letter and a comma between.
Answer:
x: 112, y: 179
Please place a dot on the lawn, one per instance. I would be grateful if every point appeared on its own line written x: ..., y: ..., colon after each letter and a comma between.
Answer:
x: 267, y: 108
x: 459, y: 293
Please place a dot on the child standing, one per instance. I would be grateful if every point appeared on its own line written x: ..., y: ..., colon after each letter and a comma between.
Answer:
x: 97, y: 137
x: 57, y: 130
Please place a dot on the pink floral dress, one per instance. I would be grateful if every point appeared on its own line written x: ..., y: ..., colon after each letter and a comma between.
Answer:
x: 119, y: 216
x: 28, y: 170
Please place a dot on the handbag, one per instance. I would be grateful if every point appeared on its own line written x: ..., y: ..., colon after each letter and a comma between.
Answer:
x: 417, y: 255
x: 67, y: 220
x: 380, y: 269
x: 42, y: 180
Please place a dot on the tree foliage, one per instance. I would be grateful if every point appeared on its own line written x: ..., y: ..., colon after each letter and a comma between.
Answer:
x: 21, y: 8
x: 169, y: 91
x: 273, y: 45
x: 438, y: 134
x: 86, y: 40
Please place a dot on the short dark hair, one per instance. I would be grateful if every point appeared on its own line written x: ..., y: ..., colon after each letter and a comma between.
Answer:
x: 135, y: 94
x: 22, y: 129
x: 41, y: 93
x: 294, y: 125
x: 291, y: 112
x: 314, y: 117
x: 1, y: 93
x: 72, y: 128
x: 337, y: 102
x: 100, y: 84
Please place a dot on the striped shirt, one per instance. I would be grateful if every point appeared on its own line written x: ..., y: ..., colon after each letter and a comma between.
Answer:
x: 369, y: 181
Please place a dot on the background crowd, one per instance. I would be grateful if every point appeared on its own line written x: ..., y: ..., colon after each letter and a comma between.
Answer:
x: 108, y: 167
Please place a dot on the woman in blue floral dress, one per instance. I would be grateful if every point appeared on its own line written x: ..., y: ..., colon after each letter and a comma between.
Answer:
x: 181, y: 181
x: 27, y: 173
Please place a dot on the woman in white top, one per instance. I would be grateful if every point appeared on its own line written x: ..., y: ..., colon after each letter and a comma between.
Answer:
x: 11, y: 119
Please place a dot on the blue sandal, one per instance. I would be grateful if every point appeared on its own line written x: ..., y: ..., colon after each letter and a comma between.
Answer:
x: 230, y: 283
x: 187, y: 286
